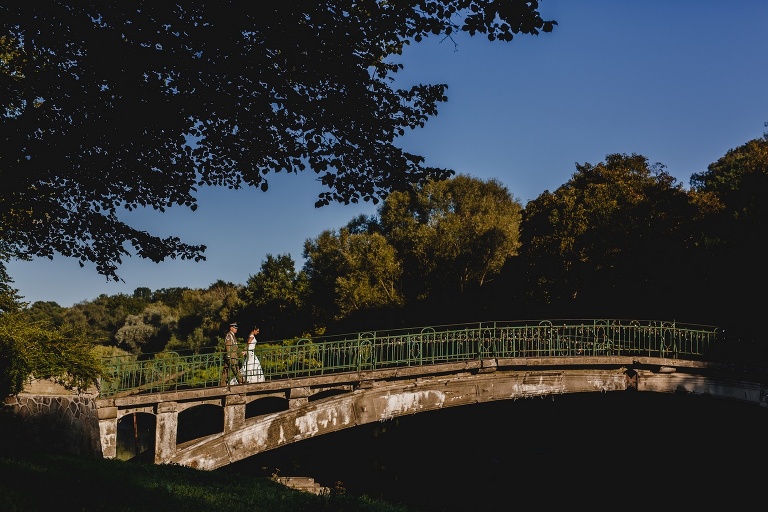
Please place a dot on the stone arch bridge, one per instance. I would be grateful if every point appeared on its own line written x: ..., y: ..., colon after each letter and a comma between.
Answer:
x: 236, y: 422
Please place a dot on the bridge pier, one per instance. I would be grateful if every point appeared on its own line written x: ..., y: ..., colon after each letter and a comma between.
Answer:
x: 107, y: 417
x: 298, y: 397
x: 234, y: 413
x: 167, y: 418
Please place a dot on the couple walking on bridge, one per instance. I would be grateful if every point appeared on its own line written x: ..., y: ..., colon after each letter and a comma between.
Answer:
x: 232, y: 371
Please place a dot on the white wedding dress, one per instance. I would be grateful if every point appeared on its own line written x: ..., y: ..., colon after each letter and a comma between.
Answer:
x: 251, y: 369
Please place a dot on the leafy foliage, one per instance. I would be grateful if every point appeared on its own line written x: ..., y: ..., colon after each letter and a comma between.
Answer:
x: 373, y: 275
x: 433, y: 245
x: 202, y: 315
x: 274, y: 299
x: 106, y: 107
x: 103, y: 316
x: 10, y: 300
x: 149, y: 331
x: 45, y: 352
x: 452, y: 235
x: 731, y: 230
x: 609, y: 239
x: 739, y: 181
x: 352, y: 272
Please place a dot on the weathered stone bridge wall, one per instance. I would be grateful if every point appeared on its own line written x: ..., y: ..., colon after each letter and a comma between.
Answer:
x: 84, y: 424
x: 386, y: 394
x: 323, y: 404
x: 48, y: 417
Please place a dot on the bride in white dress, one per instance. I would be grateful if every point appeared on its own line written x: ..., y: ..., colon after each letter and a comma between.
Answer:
x: 251, y: 369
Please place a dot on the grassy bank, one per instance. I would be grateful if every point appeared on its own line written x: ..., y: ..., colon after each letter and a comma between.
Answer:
x: 41, y: 482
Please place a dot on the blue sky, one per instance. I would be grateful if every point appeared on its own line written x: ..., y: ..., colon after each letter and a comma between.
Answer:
x: 678, y: 81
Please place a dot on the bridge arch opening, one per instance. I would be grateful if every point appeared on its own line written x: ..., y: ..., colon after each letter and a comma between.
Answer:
x: 327, y: 394
x: 199, y: 421
x: 266, y: 405
x: 136, y: 436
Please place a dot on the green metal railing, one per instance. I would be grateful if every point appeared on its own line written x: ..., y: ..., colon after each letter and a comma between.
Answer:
x: 170, y: 371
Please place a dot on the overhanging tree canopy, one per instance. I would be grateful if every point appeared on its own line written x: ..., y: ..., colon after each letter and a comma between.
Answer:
x: 99, y: 102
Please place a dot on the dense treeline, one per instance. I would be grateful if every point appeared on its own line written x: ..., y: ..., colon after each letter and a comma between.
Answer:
x: 621, y: 239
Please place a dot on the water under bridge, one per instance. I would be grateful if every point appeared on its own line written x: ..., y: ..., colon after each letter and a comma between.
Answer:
x: 173, y: 408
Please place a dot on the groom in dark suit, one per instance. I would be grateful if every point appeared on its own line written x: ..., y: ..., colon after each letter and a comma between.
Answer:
x: 231, y: 358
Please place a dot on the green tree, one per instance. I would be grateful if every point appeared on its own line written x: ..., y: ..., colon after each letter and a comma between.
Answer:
x: 103, y: 316
x: 351, y: 273
x: 323, y: 261
x: 199, y: 321
x: 228, y: 296
x: 169, y: 296
x: 453, y: 236
x: 275, y: 298
x: 441, y: 243
x: 739, y: 182
x: 733, y: 220
x: 373, y: 274
x: 43, y: 351
x: 45, y: 311
x: 203, y: 315
x: 195, y: 341
x: 142, y: 293
x: 38, y: 341
x: 223, y: 93
x: 10, y: 300
x: 611, y: 241
x: 149, y: 331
